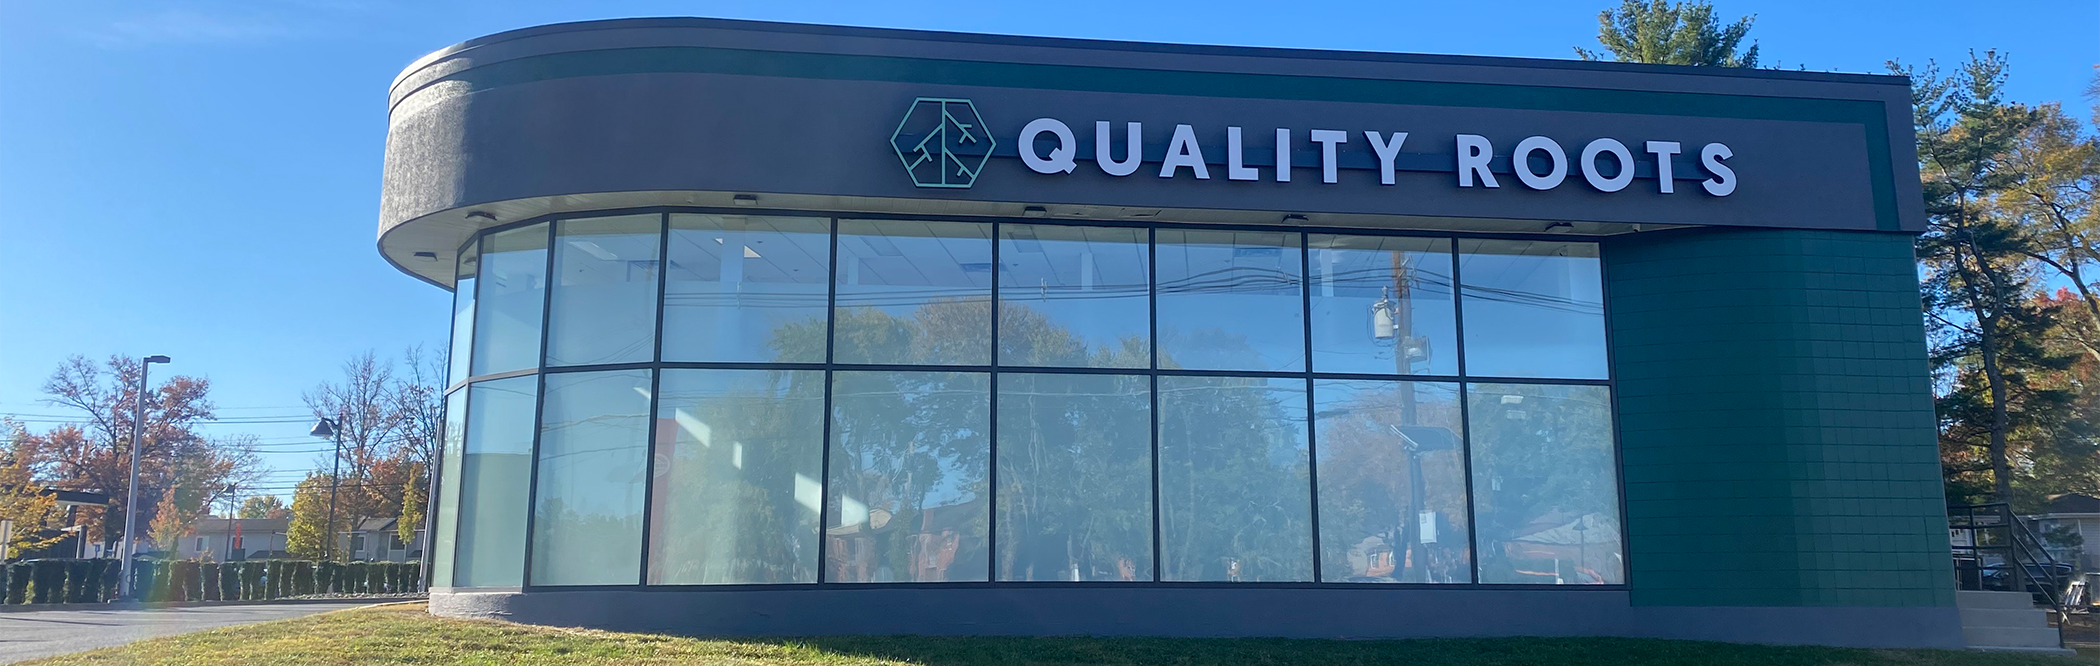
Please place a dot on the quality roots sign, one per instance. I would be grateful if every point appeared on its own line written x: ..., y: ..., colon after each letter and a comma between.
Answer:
x: 944, y: 143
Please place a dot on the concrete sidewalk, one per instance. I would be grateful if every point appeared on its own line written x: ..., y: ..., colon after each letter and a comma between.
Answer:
x: 33, y: 634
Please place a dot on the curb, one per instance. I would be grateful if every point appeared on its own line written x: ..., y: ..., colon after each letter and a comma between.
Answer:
x: 135, y: 605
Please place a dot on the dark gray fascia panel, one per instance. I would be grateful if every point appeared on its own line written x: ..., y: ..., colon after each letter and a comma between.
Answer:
x: 672, y: 111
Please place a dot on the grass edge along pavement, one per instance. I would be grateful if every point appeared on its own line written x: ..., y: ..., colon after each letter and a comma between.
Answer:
x: 405, y: 633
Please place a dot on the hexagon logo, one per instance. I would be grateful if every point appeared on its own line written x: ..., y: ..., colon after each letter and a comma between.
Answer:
x: 942, y: 142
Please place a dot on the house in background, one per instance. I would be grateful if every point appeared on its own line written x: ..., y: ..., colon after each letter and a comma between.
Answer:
x: 375, y: 540
x: 378, y: 540
x: 2073, y: 513
x: 253, y: 539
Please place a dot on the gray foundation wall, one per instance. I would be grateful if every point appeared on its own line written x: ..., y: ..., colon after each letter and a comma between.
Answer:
x: 1201, y: 612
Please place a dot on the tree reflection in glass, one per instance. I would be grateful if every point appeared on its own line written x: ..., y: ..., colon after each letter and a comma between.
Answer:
x: 1392, y: 482
x: 906, y: 493
x: 1546, y: 484
x: 734, y: 281
x: 1086, y: 293
x: 1075, y: 476
x: 1234, y: 488
x: 890, y: 275
x: 739, y: 464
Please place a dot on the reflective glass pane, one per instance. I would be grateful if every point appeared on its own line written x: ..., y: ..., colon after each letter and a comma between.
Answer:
x: 513, y: 295
x: 1532, y: 309
x: 1382, y: 305
x: 906, y: 497
x: 463, y: 314
x: 1392, y: 482
x: 739, y: 470
x: 1546, y: 484
x: 747, y: 288
x: 1074, y: 296
x: 1230, y: 300
x: 1234, y: 489
x: 594, y: 454
x: 914, y: 292
x: 1075, y: 477
x: 495, y: 477
x: 604, y: 305
x: 447, y: 509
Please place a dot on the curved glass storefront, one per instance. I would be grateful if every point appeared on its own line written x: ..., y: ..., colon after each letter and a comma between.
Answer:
x: 673, y: 398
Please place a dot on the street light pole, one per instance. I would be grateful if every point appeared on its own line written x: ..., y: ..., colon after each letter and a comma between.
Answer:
x: 330, y: 428
x: 131, y: 494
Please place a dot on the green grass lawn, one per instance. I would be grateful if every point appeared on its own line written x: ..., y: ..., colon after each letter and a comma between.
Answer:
x: 406, y: 634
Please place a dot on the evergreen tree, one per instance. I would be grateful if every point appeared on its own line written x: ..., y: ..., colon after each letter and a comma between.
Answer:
x: 1672, y: 33
x: 1990, y: 333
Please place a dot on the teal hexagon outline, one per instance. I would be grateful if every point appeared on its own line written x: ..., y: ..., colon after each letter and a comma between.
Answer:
x: 991, y: 142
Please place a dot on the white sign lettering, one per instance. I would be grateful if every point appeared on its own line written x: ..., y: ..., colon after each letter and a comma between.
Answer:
x: 1538, y: 162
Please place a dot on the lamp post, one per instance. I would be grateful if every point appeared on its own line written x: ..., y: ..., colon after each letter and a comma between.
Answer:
x: 131, y: 493
x: 328, y: 428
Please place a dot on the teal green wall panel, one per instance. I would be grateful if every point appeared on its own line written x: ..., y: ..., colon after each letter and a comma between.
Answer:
x: 1776, y: 420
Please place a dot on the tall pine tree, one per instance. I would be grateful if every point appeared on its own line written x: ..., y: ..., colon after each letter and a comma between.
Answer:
x: 1672, y: 33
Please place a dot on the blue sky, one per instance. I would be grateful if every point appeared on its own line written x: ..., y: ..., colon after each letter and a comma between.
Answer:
x: 201, y: 179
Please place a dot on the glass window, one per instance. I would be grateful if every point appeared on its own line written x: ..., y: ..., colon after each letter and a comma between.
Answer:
x: 1234, y: 490
x: 906, y: 496
x: 463, y: 314
x: 448, y: 488
x: 1392, y: 482
x: 1074, y: 296
x: 604, y: 302
x: 746, y: 288
x: 914, y: 292
x: 594, y: 454
x: 1383, y: 305
x: 1532, y: 309
x: 513, y: 293
x: 739, y: 469
x: 495, y: 475
x: 1075, y: 477
x: 1230, y: 300
x: 1546, y: 484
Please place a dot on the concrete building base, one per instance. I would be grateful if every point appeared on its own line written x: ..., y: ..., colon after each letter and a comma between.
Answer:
x: 1201, y: 612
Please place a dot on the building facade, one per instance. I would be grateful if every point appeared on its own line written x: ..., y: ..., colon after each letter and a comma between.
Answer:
x: 786, y: 329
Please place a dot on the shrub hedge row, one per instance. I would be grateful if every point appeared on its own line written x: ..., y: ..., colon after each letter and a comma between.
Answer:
x: 63, y: 581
